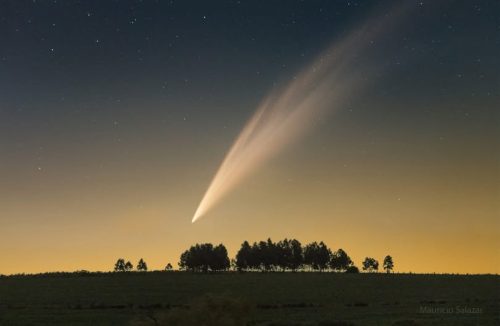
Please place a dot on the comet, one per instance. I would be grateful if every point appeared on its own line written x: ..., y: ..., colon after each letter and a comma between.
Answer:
x: 286, y: 115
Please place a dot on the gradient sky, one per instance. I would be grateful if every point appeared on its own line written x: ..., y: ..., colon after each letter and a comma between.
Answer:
x: 115, y: 115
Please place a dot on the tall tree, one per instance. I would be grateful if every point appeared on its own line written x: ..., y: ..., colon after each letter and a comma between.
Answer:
x: 283, y: 254
x: 317, y: 256
x: 310, y: 251
x: 120, y: 265
x: 324, y: 255
x: 340, y: 261
x: 297, y: 258
x: 289, y: 254
x: 370, y: 264
x: 255, y: 260
x: 142, y: 266
x: 243, y: 257
x: 388, y: 264
x: 219, y: 259
x: 272, y: 255
x: 184, y: 261
x: 267, y: 255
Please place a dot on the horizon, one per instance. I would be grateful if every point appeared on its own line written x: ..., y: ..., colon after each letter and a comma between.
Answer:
x: 158, y: 267
x: 116, y: 120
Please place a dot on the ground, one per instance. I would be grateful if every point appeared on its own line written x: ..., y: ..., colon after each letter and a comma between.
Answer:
x: 264, y: 298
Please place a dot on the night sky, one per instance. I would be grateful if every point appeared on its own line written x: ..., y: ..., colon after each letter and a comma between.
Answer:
x: 115, y: 115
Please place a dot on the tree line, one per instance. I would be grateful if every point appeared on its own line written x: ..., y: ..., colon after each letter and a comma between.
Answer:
x: 290, y: 255
x: 269, y: 256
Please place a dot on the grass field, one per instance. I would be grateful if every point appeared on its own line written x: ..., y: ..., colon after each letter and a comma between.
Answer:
x: 268, y: 298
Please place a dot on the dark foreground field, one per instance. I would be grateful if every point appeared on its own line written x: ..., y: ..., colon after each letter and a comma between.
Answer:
x: 260, y: 298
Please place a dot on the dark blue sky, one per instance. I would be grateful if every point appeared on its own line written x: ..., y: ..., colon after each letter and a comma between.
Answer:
x: 86, y: 52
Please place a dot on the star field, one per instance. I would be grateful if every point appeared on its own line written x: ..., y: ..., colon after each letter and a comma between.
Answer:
x: 114, y: 115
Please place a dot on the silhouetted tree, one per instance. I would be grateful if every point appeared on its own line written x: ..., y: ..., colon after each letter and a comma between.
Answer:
x: 370, y: 264
x: 142, y: 266
x: 317, y: 256
x: 324, y: 256
x: 183, y: 261
x: 270, y: 256
x: 340, y: 261
x: 273, y: 255
x: 297, y: 258
x: 388, y: 264
x: 285, y: 255
x: 310, y: 254
x: 128, y: 266
x: 220, y: 260
x: 244, y: 257
x: 282, y: 255
x: 255, y: 259
x: 120, y: 265
x: 168, y: 268
x: 267, y: 255
x: 205, y: 257
x: 290, y: 255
